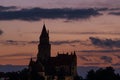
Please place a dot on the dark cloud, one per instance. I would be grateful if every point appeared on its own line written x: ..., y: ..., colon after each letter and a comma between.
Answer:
x: 83, y: 58
x: 86, y: 33
x: 107, y: 9
x: 1, y: 32
x: 64, y: 42
x: 106, y: 59
x: 115, y: 13
x: 108, y: 43
x: 16, y: 55
x: 118, y: 56
x: 116, y: 64
x: 102, y: 9
x: 13, y: 42
x: 36, y: 14
x: 92, y: 64
x: 3, y: 8
x: 112, y: 9
x: 99, y: 51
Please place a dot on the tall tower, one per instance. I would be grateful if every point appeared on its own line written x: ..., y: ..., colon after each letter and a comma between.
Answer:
x: 44, y: 47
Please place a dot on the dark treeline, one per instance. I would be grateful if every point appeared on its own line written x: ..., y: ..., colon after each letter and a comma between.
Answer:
x: 103, y: 74
x: 19, y: 75
x: 107, y: 73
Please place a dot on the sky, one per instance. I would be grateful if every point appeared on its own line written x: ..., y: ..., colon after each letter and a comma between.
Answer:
x: 61, y: 3
x: 89, y: 27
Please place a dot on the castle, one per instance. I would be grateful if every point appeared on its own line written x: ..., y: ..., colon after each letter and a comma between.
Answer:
x: 61, y: 67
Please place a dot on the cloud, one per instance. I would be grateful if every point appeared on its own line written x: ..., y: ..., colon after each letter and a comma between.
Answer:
x: 3, y: 8
x: 107, y: 9
x: 16, y: 55
x: 108, y: 43
x: 116, y: 64
x: 115, y: 13
x: 99, y: 51
x: 13, y: 42
x: 35, y: 14
x: 1, y: 32
x: 118, y: 56
x: 95, y: 58
x: 111, y: 11
x: 86, y: 33
x: 83, y: 58
x: 106, y: 59
x: 65, y: 42
x: 114, y: 9
x: 93, y: 64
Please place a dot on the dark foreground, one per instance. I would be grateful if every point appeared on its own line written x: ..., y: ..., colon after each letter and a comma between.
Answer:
x: 107, y: 73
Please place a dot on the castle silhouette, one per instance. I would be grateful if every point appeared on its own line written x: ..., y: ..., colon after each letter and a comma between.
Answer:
x: 61, y: 67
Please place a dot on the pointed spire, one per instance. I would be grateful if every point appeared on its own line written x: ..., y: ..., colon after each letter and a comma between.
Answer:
x: 44, y: 28
x: 44, y: 31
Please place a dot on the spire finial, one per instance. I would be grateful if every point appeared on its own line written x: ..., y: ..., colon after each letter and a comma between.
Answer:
x: 43, y: 22
x: 44, y: 31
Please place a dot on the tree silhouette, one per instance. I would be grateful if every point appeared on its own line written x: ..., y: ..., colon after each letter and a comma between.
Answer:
x: 91, y: 75
x: 103, y: 74
x: 78, y: 77
x: 107, y: 73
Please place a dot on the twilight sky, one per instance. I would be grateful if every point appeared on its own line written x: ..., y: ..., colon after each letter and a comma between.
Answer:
x: 61, y: 3
x: 89, y: 27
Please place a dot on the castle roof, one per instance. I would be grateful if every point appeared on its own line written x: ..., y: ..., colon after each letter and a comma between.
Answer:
x: 61, y: 60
